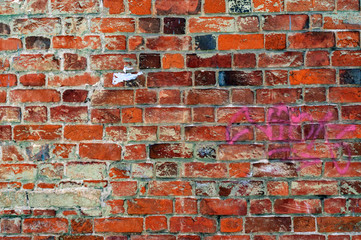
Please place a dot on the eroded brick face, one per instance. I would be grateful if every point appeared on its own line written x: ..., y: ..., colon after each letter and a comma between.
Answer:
x: 180, y: 120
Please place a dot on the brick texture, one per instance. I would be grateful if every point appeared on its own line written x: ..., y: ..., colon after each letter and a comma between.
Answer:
x: 180, y: 120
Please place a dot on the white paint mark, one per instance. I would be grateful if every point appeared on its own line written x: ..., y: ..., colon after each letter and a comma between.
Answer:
x: 122, y: 77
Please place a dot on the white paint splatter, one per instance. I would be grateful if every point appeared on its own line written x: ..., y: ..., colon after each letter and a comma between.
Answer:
x: 122, y: 77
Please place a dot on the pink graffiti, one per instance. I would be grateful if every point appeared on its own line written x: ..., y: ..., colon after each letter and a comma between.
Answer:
x: 292, y: 122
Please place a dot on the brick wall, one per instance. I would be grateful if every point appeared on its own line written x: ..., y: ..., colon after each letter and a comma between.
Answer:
x: 239, y: 119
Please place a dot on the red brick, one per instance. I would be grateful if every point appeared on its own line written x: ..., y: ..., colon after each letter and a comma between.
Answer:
x: 268, y: 6
x: 312, y: 40
x: 240, y: 42
x: 105, y: 115
x: 348, y: 5
x: 9, y: 225
x: 215, y: 61
x: 244, y: 60
x: 37, y: 25
x: 240, y: 152
x: 116, y: 42
x: 73, y: 80
x: 248, y: 24
x: 169, y: 96
x: 145, y: 96
x: 231, y: 225
x: 83, y: 132
x: 72, y: 42
x: 112, y: 25
x: 275, y: 41
x: 189, y: 224
x: 274, y: 96
x: 206, y: 96
x: 205, y: 170
x: 167, y: 115
x: 239, y: 170
x: 33, y: 80
x: 69, y: 114
x: 284, y: 59
x: 345, y: 95
x: 120, y: 189
x: 150, y: 206
x: 143, y: 133
x: 223, y: 207
x: 135, y: 152
x: 336, y: 22
x: 37, y: 132
x: 132, y: 115
x: 169, y: 43
x: 169, y: 79
x: 313, y: 76
x: 261, y: 206
x: 118, y: 225
x: 309, y: 187
x: 156, y: 223
x: 175, y: 60
x: 186, y: 206
x: 81, y: 225
x: 205, y: 133
x: 169, y: 188
x: 285, y: 22
x: 165, y: 7
x: 291, y: 206
x: 307, y: 5
x: 10, y: 114
x: 10, y: 44
x: 140, y: 7
x: 34, y: 95
x: 335, y: 205
x: 45, y: 225
x: 268, y: 224
x: 214, y: 6
x: 211, y: 24
x: 276, y: 77
x: 36, y: 62
x: 105, y: 151
x: 112, y: 97
x: 111, y: 61
x: 114, y: 6
x: 317, y: 58
x: 348, y: 39
x: 338, y: 224
x: 242, y: 96
x: 203, y: 114
x: 346, y: 58
x: 304, y: 224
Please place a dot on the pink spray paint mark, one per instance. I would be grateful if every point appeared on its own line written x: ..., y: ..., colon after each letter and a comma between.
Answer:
x: 294, y: 120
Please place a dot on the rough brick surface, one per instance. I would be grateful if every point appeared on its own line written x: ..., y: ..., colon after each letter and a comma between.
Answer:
x: 180, y: 120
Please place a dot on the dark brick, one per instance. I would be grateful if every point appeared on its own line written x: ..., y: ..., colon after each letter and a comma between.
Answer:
x: 74, y: 62
x: 37, y: 43
x: 206, y: 42
x: 149, y: 61
x: 206, y: 152
x: 149, y: 25
x: 75, y: 95
x: 350, y: 76
x: 239, y: 6
x: 166, y: 169
x: 4, y: 29
x: 240, y: 78
x: 174, y: 25
x: 205, y: 78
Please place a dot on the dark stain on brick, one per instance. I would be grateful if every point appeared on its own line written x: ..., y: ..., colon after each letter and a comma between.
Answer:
x: 240, y: 78
x: 205, y: 42
x: 4, y: 29
x: 149, y: 61
x: 37, y: 43
x: 205, y: 78
x: 149, y: 25
x: 174, y: 25
x: 75, y: 95
x: 350, y: 76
